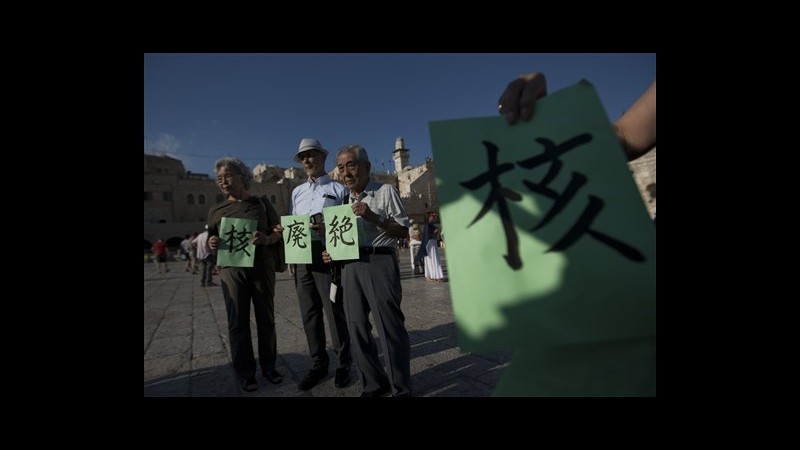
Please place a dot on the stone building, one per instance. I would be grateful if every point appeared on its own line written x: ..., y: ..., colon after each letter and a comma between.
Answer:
x: 176, y: 202
x: 417, y: 185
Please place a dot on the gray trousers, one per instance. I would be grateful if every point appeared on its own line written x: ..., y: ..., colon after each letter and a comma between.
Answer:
x: 313, y: 293
x: 372, y: 284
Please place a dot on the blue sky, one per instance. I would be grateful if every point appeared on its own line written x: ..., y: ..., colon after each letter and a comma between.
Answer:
x: 257, y: 107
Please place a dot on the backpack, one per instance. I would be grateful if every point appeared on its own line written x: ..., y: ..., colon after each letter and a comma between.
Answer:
x: 276, y: 250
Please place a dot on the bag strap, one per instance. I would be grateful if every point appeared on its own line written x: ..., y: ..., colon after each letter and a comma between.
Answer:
x: 272, y: 215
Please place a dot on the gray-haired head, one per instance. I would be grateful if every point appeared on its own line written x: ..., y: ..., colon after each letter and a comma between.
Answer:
x: 357, y: 150
x: 236, y: 165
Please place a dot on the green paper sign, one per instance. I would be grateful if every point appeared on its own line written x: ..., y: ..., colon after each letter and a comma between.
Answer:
x: 549, y: 245
x: 297, y: 239
x: 236, y: 246
x: 341, y: 232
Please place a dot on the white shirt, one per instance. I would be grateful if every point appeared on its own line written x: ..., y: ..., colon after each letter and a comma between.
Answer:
x: 411, y: 239
x: 201, y: 241
x: 310, y: 197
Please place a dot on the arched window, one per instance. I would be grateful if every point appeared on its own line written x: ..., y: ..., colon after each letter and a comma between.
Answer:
x: 201, y: 199
x: 190, y: 199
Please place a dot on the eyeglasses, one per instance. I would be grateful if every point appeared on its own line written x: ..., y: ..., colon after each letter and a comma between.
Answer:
x: 307, y: 154
x: 228, y: 178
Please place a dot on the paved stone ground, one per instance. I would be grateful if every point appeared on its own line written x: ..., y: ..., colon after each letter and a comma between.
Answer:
x: 187, y: 354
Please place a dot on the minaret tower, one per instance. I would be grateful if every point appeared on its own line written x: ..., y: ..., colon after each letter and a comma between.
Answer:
x: 400, y: 155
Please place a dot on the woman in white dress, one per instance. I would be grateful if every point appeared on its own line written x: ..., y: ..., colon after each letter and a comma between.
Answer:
x: 430, y: 242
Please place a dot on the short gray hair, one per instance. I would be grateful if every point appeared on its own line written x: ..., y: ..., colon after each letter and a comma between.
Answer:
x: 236, y: 165
x: 357, y: 150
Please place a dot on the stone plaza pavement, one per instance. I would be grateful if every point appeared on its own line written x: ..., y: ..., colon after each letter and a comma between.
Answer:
x: 187, y: 353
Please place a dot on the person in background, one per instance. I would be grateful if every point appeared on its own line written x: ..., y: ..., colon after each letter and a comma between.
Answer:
x: 193, y: 252
x: 243, y: 285
x: 186, y: 249
x: 313, y: 281
x: 430, y: 244
x: 635, y: 129
x: 160, y: 253
x: 207, y: 258
x: 414, y: 243
x: 372, y: 283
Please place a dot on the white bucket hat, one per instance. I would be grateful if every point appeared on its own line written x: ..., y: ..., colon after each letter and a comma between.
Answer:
x: 309, y: 144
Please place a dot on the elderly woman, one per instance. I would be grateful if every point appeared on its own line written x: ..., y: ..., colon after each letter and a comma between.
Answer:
x: 243, y: 285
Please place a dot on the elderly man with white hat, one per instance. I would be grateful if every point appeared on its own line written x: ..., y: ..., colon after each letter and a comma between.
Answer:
x: 313, y: 280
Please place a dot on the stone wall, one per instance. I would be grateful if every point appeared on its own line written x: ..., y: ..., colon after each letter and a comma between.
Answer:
x: 644, y: 172
x: 176, y: 202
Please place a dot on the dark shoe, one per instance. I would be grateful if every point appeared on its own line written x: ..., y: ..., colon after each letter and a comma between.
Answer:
x: 342, y: 377
x: 250, y: 384
x: 273, y: 376
x: 312, y: 378
x: 380, y: 392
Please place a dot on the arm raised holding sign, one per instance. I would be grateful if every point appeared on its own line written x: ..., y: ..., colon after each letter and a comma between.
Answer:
x: 635, y: 129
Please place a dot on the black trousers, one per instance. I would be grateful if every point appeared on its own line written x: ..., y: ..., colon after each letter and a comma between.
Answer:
x: 240, y: 287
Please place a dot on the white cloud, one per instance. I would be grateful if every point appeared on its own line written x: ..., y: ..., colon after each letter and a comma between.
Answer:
x: 165, y: 143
